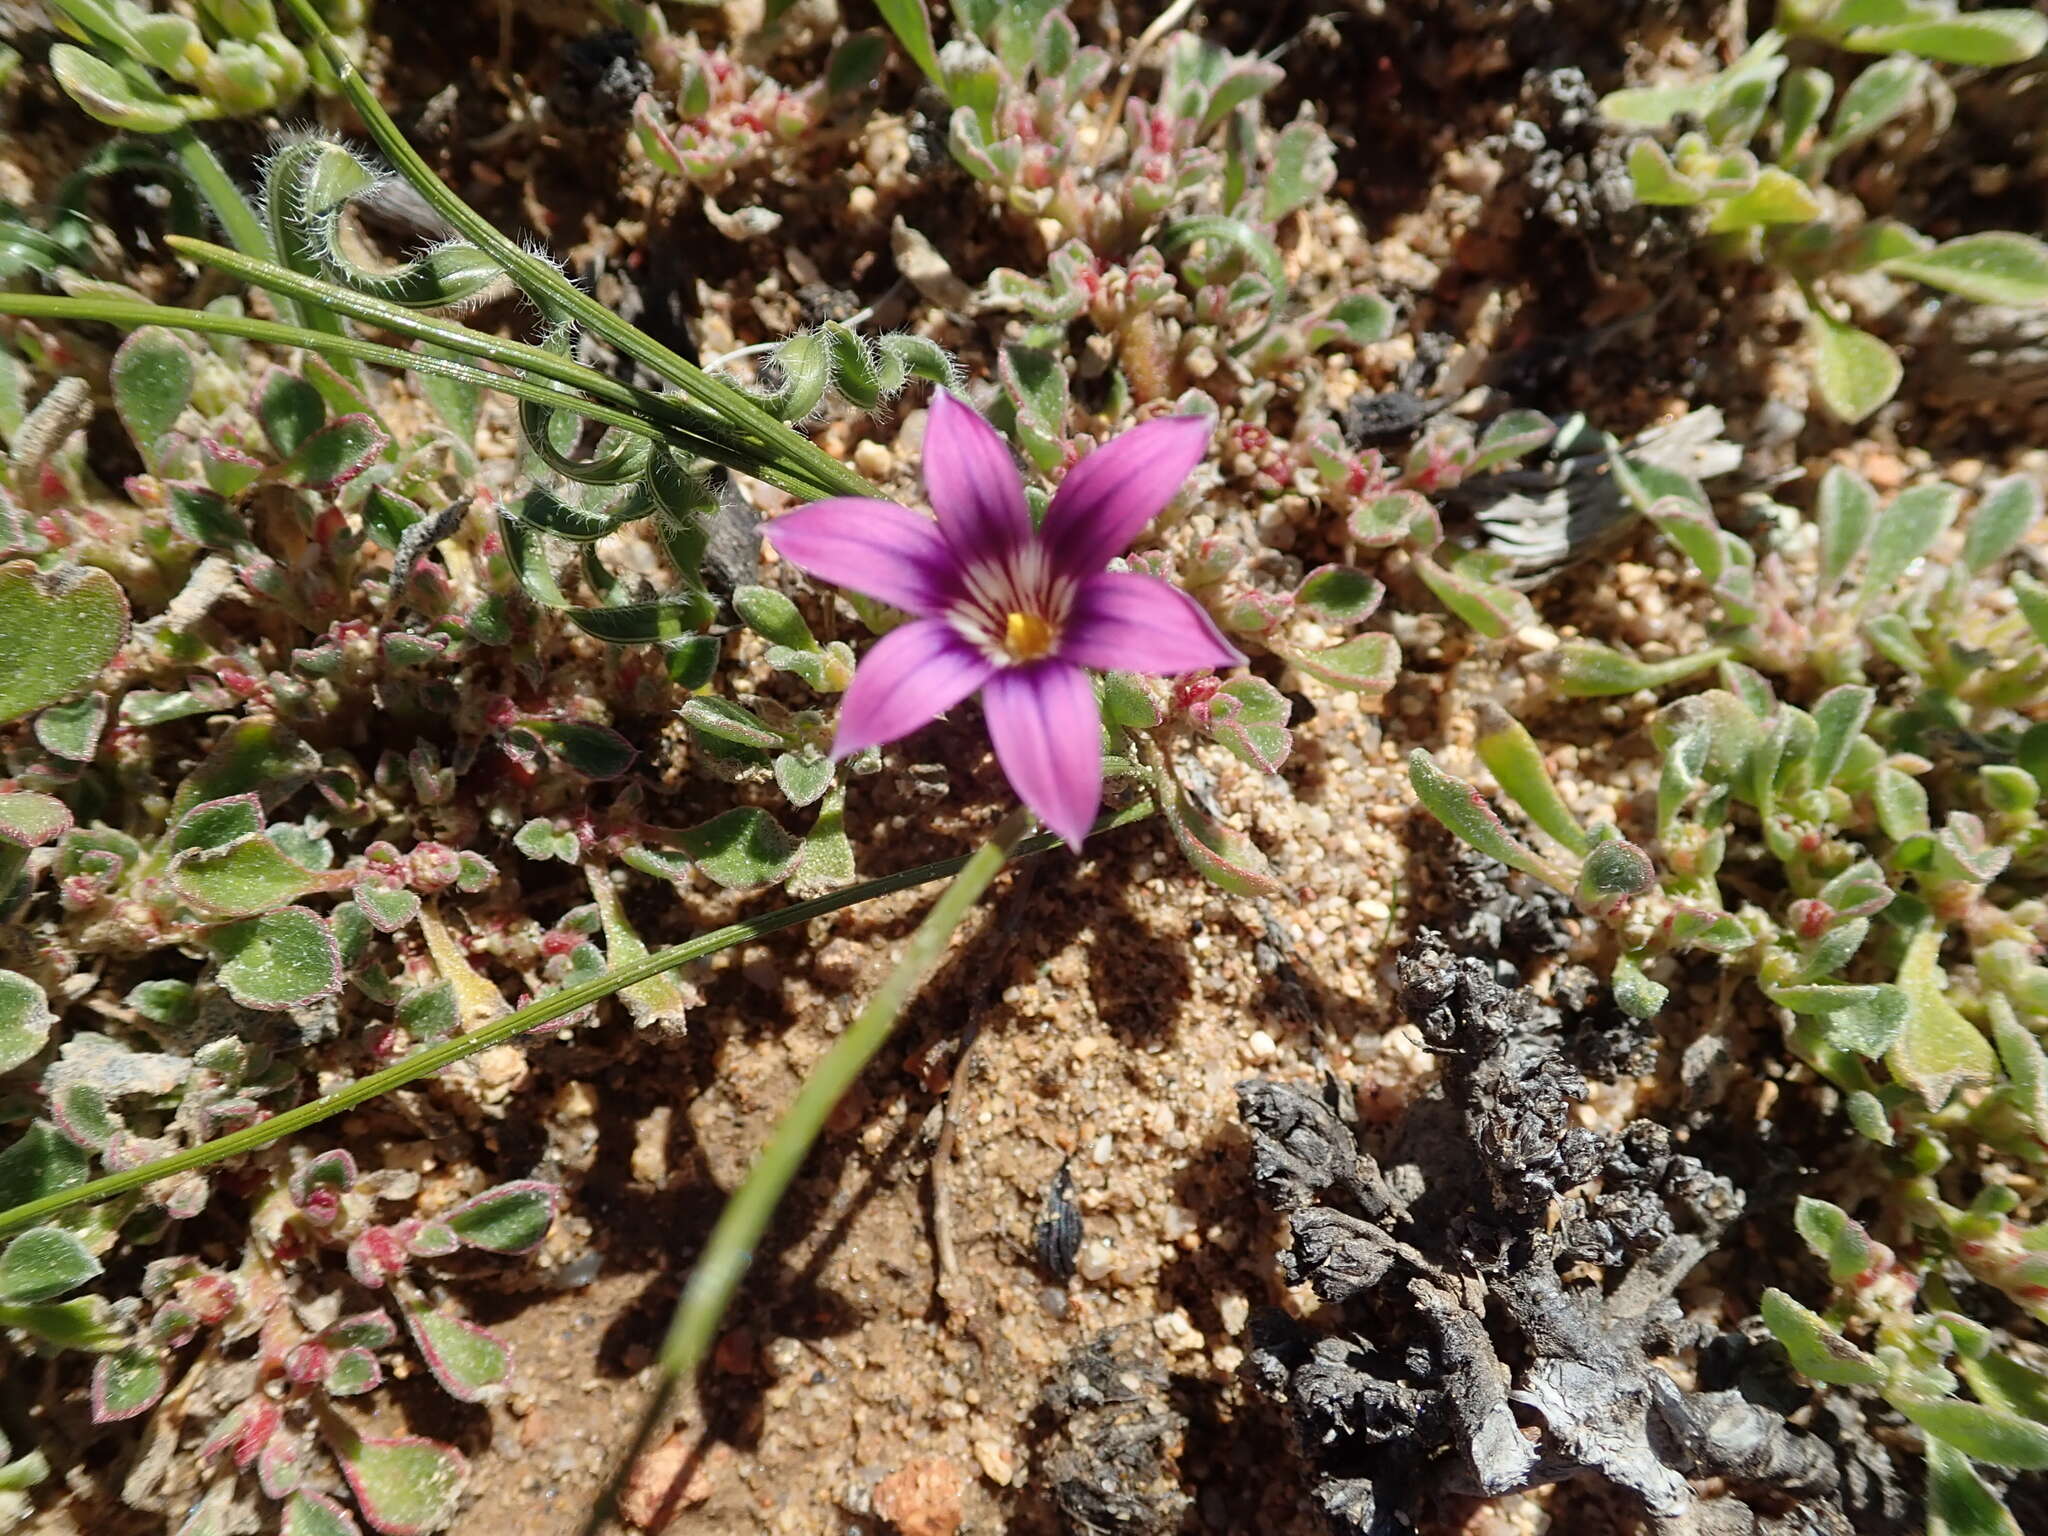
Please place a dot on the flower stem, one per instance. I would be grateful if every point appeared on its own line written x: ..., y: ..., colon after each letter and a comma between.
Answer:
x: 130, y: 315
x: 730, y: 1249
x: 543, y: 1010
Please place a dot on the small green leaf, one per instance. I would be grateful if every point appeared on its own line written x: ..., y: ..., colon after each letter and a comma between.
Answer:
x: 255, y: 755
x: 1864, y: 1020
x: 1586, y: 669
x: 112, y: 97
x: 1854, y: 371
x: 58, y: 628
x: 1959, y: 1503
x: 1998, y: 267
x: 1906, y: 530
x: 72, y: 731
x: 1838, y: 719
x: 470, y: 1363
x: 388, y: 905
x: 912, y: 24
x: 40, y: 1162
x: 1509, y: 436
x: 1516, y: 763
x: 1364, y: 664
x: 803, y: 777
x: 1981, y: 37
x: 773, y: 617
x: 315, y: 1514
x: 42, y: 1264
x: 328, y: 459
x: 2006, y: 511
x: 241, y: 879
x: 152, y: 378
x: 1634, y: 993
x: 540, y: 838
x: 1873, y: 99
x: 406, y: 1486
x: 1835, y: 1238
x: 1817, y: 1351
x: 290, y: 409
x: 1225, y: 858
x: 1302, y: 168
x: 281, y: 960
x: 742, y: 849
x: 1656, y: 180
x: 1980, y: 1432
x: 86, y: 1323
x: 25, y: 1020
x: 1613, y: 872
x: 126, y: 1385
x: 1337, y: 594
x: 1464, y: 811
x: 595, y: 751
x: 723, y: 720
x: 1778, y: 197
x: 512, y: 1218
x: 826, y: 861
x: 1248, y: 715
x: 1939, y: 1050
x: 1846, y: 510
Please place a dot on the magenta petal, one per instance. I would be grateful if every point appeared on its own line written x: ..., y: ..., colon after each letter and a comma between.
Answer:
x: 1108, y: 498
x: 875, y: 548
x: 1048, y: 737
x: 907, y: 679
x: 973, y: 483
x: 1124, y: 622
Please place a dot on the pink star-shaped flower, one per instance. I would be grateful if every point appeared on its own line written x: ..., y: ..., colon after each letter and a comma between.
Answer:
x: 1016, y: 612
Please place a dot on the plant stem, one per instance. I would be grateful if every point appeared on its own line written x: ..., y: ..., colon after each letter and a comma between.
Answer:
x: 687, y: 428
x: 238, y: 220
x: 730, y: 1249
x: 247, y: 232
x: 132, y: 315
x: 543, y: 1010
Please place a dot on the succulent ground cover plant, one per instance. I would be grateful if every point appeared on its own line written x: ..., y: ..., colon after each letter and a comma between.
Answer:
x: 378, y: 690
x: 1783, y: 210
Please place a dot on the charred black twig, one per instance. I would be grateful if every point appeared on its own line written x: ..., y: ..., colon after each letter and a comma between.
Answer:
x: 1466, y: 1362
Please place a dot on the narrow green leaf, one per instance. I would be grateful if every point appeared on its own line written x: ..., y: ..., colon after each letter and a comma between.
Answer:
x: 1464, y: 811
x: 1516, y: 763
x: 1997, y: 267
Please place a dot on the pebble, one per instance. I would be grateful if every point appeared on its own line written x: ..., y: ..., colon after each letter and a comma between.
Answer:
x: 1263, y: 1047
x: 873, y: 459
x: 922, y: 1498
x: 998, y: 1461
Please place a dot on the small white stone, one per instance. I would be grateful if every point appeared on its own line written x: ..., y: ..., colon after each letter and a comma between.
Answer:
x: 1263, y: 1046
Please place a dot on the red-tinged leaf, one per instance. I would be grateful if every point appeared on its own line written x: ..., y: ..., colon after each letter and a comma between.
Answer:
x: 1363, y: 664
x: 315, y: 1514
x: 331, y: 457
x: 245, y: 1431
x: 471, y: 1363
x: 126, y: 1384
x: 281, y: 1466
x: 405, y: 1486
x: 1225, y: 858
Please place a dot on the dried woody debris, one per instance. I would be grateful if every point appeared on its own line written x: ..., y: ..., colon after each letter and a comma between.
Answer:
x: 1504, y: 1288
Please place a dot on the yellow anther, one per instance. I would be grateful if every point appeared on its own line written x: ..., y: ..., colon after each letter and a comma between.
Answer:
x: 1027, y: 636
